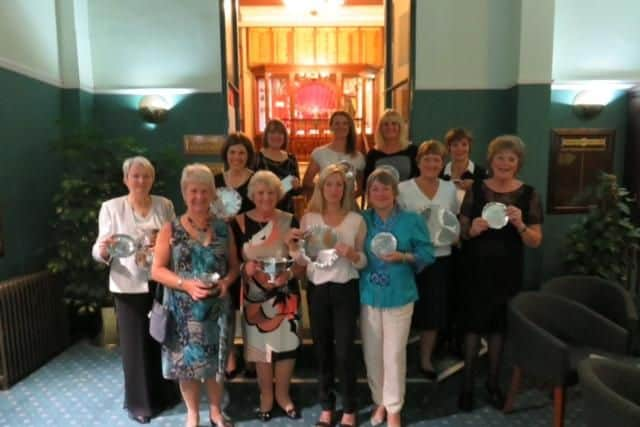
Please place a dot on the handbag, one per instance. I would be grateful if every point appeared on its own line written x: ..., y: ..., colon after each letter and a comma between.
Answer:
x: 159, y: 317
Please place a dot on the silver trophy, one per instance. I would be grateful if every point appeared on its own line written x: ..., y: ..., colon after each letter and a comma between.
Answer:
x: 274, y: 266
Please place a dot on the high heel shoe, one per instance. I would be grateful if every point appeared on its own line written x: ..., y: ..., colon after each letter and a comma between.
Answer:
x: 264, y: 416
x: 329, y: 423
x: 376, y: 421
x: 354, y: 424
x: 224, y: 422
x: 292, y: 413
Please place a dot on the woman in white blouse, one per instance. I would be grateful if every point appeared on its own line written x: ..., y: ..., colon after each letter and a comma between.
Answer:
x: 429, y: 191
x: 341, y: 148
x: 333, y: 291
x: 136, y: 214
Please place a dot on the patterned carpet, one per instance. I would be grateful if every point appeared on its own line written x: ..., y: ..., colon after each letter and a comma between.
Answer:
x: 83, y: 387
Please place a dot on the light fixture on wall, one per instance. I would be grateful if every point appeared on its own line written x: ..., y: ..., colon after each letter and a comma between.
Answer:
x: 153, y: 108
x: 589, y: 103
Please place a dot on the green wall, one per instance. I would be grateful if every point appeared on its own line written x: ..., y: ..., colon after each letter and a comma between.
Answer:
x: 29, y: 111
x: 201, y: 113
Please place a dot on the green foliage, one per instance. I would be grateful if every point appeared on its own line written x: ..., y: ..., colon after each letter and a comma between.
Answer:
x: 93, y: 174
x: 605, y: 241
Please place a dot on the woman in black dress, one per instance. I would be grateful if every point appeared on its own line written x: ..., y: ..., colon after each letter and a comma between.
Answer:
x: 238, y: 157
x: 274, y: 157
x: 495, y: 258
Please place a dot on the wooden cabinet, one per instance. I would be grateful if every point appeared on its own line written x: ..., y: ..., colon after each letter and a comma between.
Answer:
x: 315, y: 46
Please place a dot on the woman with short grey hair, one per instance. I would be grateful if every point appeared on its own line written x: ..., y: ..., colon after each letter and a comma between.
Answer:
x: 135, y: 214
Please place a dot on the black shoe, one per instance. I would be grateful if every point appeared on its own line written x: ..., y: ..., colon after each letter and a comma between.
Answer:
x: 355, y: 423
x: 495, y: 397
x: 142, y: 419
x: 264, y: 416
x: 224, y: 422
x: 292, y: 413
x: 429, y: 374
x: 465, y: 401
x: 229, y: 375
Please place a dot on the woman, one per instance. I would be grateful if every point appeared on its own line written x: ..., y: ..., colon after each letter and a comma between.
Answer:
x: 392, y: 147
x: 332, y: 293
x: 417, y: 194
x: 341, y: 148
x: 189, y: 250
x: 461, y: 170
x: 146, y: 392
x: 274, y: 157
x: 387, y: 293
x: 238, y: 158
x: 496, y: 258
x: 270, y: 306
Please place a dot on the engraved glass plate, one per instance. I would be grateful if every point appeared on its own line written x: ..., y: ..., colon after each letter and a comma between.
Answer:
x: 318, y: 238
x: 123, y: 246
x: 287, y: 183
x: 383, y: 244
x: 495, y: 214
x: 227, y: 204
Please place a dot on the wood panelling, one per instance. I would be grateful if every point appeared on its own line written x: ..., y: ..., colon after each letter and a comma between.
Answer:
x: 315, y: 46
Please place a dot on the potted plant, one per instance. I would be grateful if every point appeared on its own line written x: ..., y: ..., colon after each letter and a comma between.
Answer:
x: 92, y: 167
x: 605, y: 242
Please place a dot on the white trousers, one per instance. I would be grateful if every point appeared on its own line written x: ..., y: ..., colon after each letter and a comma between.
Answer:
x: 384, y: 343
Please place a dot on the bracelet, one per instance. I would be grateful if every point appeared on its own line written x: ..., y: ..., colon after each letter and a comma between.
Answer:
x: 525, y: 228
x: 180, y: 282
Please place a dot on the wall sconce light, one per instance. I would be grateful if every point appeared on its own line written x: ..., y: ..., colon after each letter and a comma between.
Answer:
x: 589, y: 103
x: 153, y: 108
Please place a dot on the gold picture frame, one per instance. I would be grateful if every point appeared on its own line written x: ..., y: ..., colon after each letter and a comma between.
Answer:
x: 216, y: 167
x: 203, y: 145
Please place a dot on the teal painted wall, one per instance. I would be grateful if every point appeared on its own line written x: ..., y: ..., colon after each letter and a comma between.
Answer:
x: 614, y: 116
x: 487, y: 113
x: 202, y: 113
x: 29, y: 110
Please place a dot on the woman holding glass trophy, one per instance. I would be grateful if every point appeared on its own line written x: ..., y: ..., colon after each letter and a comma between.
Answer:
x: 270, y: 293
x: 125, y: 224
x: 398, y: 247
x: 196, y: 260
x: 332, y: 251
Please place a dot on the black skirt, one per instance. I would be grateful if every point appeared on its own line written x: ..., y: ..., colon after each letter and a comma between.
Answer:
x: 430, y: 311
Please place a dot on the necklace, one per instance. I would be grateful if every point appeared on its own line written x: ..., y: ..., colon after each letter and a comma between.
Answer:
x: 202, y: 231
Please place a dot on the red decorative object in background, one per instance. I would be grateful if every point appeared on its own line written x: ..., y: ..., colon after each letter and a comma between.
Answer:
x: 315, y: 100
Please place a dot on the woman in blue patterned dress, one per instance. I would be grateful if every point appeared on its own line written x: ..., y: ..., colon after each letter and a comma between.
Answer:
x: 188, y: 251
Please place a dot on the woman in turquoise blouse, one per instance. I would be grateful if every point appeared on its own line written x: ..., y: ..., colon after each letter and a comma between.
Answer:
x: 387, y: 293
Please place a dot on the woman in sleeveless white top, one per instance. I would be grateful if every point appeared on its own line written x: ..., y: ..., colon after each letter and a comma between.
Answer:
x: 342, y: 148
x: 333, y: 289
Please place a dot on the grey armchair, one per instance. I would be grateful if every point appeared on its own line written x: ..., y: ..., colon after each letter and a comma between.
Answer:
x: 600, y: 295
x: 611, y: 391
x: 549, y: 335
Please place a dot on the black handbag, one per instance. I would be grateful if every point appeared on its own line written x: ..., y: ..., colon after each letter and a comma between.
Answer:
x: 159, y: 317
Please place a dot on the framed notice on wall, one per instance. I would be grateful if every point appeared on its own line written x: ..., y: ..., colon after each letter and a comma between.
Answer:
x: 203, y: 145
x: 577, y: 158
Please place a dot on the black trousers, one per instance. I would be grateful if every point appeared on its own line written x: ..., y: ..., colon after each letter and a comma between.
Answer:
x: 146, y: 392
x: 333, y: 311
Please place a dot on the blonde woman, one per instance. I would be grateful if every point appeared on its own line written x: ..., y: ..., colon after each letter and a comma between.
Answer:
x: 333, y: 291
x: 392, y: 147
x: 145, y: 392
x: 194, y: 246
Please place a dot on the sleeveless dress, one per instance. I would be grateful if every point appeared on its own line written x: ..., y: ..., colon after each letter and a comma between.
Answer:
x: 197, y: 345
x: 494, y: 260
x: 270, y: 317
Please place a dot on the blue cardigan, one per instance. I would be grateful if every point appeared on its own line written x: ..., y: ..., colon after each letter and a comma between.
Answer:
x: 392, y: 284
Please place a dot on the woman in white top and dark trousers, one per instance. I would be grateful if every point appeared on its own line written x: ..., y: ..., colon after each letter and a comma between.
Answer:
x: 427, y: 190
x: 333, y: 295
x: 146, y: 392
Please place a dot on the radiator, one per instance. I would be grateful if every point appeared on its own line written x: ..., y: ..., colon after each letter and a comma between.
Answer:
x: 33, y: 325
